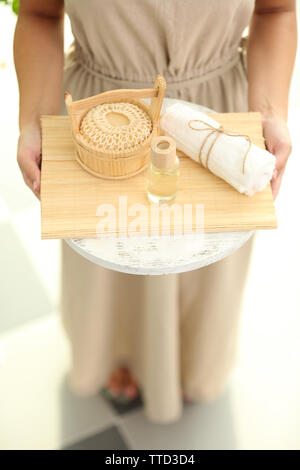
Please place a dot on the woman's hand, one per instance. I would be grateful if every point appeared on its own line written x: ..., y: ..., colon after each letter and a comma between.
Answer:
x: 278, y: 142
x: 29, y: 157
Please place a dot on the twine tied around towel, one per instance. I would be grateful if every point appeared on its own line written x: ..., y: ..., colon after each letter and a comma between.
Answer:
x: 218, y: 130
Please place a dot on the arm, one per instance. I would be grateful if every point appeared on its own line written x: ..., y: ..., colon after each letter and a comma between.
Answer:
x: 270, y: 60
x: 39, y: 57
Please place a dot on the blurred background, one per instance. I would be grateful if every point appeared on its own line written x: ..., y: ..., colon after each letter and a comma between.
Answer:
x: 260, y: 409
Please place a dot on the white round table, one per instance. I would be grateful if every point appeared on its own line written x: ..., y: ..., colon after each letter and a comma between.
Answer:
x: 160, y: 254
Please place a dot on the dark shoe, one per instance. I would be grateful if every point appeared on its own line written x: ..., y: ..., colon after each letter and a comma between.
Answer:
x: 120, y: 398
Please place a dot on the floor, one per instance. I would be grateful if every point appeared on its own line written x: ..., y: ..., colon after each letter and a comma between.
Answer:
x: 260, y: 408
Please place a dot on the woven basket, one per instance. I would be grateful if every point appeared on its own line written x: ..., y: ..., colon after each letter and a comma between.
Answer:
x: 116, y: 165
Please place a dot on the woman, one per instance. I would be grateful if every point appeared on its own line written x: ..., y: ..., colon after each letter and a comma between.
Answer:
x: 174, y: 334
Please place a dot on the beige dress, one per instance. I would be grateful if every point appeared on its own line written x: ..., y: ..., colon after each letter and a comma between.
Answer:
x: 177, y: 332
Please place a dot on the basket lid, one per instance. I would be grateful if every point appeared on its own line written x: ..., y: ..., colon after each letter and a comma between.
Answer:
x: 116, y: 127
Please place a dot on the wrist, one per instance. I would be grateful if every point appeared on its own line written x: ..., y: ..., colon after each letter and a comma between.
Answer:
x: 277, y: 115
x: 269, y: 111
x: 32, y: 127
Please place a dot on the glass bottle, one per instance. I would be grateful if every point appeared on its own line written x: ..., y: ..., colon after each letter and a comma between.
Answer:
x: 163, y: 170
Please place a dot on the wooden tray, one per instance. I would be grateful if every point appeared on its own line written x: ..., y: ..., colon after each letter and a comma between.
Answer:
x: 70, y: 196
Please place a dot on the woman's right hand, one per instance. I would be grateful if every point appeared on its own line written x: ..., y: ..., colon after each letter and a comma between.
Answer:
x: 29, y: 157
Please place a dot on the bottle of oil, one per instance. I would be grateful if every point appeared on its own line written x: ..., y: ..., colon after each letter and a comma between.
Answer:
x: 163, y: 170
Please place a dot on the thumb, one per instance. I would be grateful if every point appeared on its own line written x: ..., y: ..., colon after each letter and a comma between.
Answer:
x: 31, y: 173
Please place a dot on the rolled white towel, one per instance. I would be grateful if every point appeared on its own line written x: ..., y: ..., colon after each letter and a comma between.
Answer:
x: 247, y: 167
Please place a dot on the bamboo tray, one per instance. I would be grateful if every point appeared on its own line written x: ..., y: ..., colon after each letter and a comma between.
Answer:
x: 70, y: 195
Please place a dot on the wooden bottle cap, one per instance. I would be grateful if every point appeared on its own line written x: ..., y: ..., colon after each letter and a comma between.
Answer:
x: 163, y: 151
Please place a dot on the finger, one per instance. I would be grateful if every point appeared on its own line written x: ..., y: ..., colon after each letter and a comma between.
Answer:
x: 281, y: 162
x: 31, y: 177
x: 282, y: 153
x: 28, y: 182
x: 275, y: 185
x: 36, y: 188
x: 31, y: 170
x: 37, y: 192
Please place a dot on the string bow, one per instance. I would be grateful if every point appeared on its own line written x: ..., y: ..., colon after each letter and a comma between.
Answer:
x: 218, y: 131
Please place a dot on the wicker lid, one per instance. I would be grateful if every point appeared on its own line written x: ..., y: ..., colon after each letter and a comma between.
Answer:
x: 163, y: 151
x: 116, y: 128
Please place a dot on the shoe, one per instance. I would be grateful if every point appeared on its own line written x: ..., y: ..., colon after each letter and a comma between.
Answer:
x: 120, y: 398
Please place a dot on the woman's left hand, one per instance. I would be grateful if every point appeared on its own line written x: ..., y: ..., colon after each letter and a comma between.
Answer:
x: 278, y: 142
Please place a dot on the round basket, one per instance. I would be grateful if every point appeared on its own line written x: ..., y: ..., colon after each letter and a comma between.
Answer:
x: 128, y: 161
